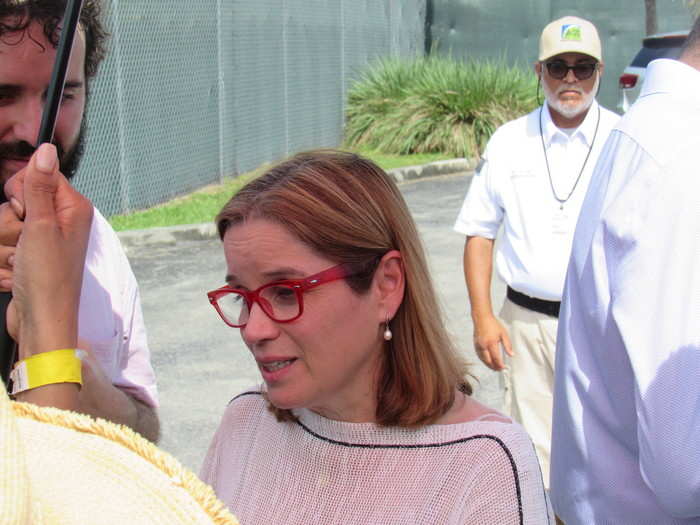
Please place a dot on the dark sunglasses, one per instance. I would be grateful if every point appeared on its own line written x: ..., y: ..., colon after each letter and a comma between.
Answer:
x: 559, y: 69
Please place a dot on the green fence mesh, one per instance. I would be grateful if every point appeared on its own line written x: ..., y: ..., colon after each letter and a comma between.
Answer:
x: 196, y: 90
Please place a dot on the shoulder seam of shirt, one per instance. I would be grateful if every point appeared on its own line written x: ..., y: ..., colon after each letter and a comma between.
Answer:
x: 634, y: 141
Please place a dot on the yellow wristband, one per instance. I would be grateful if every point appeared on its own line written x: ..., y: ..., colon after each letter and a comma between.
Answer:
x: 47, y: 368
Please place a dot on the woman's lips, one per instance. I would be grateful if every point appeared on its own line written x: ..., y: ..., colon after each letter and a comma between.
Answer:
x: 274, y: 370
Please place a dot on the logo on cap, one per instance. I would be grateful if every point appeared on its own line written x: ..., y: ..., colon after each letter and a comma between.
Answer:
x: 571, y: 32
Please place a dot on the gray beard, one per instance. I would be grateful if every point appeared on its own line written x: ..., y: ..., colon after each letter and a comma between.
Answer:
x: 567, y: 110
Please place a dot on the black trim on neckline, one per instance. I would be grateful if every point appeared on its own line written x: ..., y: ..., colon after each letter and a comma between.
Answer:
x: 503, y: 446
x: 248, y: 393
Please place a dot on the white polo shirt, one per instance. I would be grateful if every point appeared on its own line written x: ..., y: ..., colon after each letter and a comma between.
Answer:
x: 626, y: 423
x: 512, y: 188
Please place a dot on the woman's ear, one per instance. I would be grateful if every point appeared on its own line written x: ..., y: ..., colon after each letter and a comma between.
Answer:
x: 389, y: 283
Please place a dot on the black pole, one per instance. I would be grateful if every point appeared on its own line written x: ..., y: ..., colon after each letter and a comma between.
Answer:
x: 8, y: 348
x: 429, y: 21
x: 58, y: 75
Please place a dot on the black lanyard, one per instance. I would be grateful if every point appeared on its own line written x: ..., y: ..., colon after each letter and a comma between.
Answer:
x: 546, y: 161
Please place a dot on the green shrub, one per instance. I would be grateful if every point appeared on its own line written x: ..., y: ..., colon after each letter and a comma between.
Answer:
x: 435, y: 104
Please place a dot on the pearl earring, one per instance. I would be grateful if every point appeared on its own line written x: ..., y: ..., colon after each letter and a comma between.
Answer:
x: 387, y: 331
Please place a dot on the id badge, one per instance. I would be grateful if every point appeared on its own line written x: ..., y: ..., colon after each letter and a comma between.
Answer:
x: 560, y: 222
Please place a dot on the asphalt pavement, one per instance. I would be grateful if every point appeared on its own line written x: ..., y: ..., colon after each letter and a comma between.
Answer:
x: 201, y: 363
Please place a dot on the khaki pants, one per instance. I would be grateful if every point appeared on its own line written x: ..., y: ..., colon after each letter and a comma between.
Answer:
x: 529, y: 375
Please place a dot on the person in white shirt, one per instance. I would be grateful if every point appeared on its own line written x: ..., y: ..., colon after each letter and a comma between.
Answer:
x: 626, y: 423
x: 532, y: 180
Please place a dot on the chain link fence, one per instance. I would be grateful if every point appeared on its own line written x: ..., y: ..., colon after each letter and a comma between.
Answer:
x: 196, y: 90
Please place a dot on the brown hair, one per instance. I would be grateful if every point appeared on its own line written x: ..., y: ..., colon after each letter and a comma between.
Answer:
x: 17, y: 15
x: 347, y: 209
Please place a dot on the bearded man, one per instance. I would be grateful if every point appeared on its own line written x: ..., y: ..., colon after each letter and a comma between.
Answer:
x: 532, y: 180
x: 117, y: 380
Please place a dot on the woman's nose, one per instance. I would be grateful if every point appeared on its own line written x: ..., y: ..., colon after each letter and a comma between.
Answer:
x: 259, y: 326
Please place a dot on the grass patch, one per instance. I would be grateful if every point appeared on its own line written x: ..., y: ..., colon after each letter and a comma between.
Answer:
x: 203, y: 205
x: 199, y: 206
x: 435, y: 104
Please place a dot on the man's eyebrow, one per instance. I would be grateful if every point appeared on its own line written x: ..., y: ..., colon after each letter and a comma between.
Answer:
x: 73, y: 85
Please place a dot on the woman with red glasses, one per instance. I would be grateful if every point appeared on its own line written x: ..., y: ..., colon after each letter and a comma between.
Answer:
x: 365, y: 414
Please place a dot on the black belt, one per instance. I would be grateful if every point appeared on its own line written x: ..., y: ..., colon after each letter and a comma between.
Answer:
x: 550, y: 308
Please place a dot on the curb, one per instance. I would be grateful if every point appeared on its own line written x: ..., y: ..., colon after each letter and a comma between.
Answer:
x: 432, y: 169
x: 171, y: 235
x: 167, y: 235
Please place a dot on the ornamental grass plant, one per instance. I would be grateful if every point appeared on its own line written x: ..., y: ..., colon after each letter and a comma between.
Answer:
x: 435, y: 104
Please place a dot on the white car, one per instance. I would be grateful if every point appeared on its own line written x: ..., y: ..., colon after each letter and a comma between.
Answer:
x: 662, y: 45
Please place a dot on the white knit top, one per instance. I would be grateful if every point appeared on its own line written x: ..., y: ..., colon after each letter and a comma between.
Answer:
x: 321, y: 471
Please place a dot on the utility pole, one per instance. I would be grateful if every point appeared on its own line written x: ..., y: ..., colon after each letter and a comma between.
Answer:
x: 651, y: 19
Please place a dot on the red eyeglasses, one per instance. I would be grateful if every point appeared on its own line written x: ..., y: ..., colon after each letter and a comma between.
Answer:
x: 282, y: 301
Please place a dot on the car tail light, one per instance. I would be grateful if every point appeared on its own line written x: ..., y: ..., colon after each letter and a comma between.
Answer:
x: 628, y: 80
